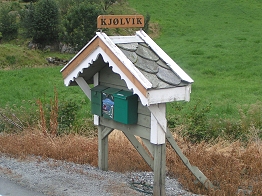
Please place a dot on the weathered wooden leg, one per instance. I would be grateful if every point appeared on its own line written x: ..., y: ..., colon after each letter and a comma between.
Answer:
x: 103, y: 133
x: 159, y: 170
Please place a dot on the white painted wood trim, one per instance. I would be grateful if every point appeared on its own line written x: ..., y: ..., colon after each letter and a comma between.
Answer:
x: 96, y: 79
x: 169, y: 95
x: 79, y: 53
x: 92, y: 57
x: 122, y: 57
x: 125, y: 39
x: 96, y: 120
x: 84, y: 86
x: 164, y: 56
x: 159, y: 113
x: 188, y: 91
x: 96, y: 82
x: 80, y: 68
x: 158, y: 124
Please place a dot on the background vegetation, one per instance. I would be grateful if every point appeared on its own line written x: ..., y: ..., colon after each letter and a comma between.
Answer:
x: 218, y: 43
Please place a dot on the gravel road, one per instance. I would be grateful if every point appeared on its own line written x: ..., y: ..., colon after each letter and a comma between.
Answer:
x: 60, y: 178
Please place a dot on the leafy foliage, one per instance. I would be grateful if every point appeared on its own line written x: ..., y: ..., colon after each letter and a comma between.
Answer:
x: 79, y: 24
x: 8, y: 24
x: 41, y: 21
x: 67, y: 114
x: 27, y: 19
x: 147, y: 19
x: 45, y: 22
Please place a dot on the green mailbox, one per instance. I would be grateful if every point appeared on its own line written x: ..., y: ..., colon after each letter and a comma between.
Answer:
x: 108, y: 102
x: 96, y: 99
x: 125, y: 104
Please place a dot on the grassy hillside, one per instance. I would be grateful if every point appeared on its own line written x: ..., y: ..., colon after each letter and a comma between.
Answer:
x: 218, y: 43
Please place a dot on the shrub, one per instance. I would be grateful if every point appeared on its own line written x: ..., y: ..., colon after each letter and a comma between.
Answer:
x: 27, y: 19
x: 8, y: 24
x: 46, y: 20
x: 41, y: 21
x: 197, y: 123
x: 147, y: 19
x: 67, y: 115
x: 80, y: 24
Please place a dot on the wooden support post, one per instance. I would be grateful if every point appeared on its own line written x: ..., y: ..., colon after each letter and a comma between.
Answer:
x: 103, y: 133
x: 159, y: 170
x: 139, y: 149
x: 195, y: 171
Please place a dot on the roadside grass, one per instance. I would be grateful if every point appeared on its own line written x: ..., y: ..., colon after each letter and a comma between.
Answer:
x: 233, y: 168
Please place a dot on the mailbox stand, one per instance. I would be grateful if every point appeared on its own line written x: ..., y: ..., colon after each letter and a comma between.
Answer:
x: 133, y: 80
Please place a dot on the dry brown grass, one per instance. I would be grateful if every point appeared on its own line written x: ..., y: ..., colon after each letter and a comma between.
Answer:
x: 233, y: 168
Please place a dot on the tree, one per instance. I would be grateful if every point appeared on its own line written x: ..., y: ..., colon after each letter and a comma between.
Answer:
x: 27, y: 19
x: 45, y: 22
x: 8, y: 24
x: 41, y: 21
x: 80, y: 24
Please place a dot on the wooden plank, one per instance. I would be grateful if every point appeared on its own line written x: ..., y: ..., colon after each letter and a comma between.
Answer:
x: 159, y: 170
x: 143, y: 109
x: 106, y: 132
x: 79, y: 58
x: 149, y: 146
x: 137, y: 130
x: 169, y: 95
x: 120, y: 21
x: 157, y: 135
x: 125, y: 39
x: 123, y: 68
x: 159, y: 115
x: 108, y: 76
x: 96, y: 79
x: 144, y: 120
x: 140, y: 149
x: 163, y: 170
x: 96, y: 119
x: 102, y: 150
x: 195, y: 171
x: 84, y: 86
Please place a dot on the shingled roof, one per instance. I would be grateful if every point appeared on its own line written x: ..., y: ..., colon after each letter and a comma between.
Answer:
x: 143, y: 65
x: 156, y: 71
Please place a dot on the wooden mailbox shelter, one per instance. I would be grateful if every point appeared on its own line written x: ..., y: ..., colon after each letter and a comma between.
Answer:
x: 137, y: 65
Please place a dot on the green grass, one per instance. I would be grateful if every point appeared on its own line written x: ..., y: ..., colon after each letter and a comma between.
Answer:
x: 23, y: 87
x: 218, y: 43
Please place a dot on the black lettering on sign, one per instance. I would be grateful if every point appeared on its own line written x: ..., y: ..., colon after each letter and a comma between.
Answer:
x: 120, y: 21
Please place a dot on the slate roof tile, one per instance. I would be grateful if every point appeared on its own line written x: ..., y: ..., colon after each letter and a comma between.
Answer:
x: 151, y: 65
x: 168, y: 76
x: 145, y: 65
x: 146, y: 53
x: 132, y: 56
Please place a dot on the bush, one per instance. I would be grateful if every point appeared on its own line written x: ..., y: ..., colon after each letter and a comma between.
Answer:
x: 46, y: 20
x: 67, y: 115
x: 147, y: 19
x: 27, y: 19
x: 197, y: 125
x: 41, y: 21
x: 8, y: 24
x: 80, y: 24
